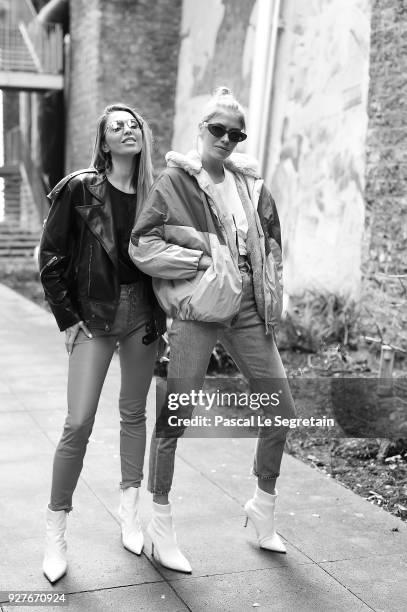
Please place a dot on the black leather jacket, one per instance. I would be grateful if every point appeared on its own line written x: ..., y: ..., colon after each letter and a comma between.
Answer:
x: 78, y: 256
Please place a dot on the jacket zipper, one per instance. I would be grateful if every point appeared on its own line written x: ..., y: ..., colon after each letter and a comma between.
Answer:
x: 49, y: 263
x: 90, y: 262
x: 236, y: 235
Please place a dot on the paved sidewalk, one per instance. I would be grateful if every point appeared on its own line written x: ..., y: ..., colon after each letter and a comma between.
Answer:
x: 343, y: 553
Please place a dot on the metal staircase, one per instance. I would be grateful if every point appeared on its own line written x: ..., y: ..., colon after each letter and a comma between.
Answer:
x: 25, y: 205
x: 31, y: 59
x: 31, y: 52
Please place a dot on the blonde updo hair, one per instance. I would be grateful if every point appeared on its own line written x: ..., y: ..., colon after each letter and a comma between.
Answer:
x: 223, y: 98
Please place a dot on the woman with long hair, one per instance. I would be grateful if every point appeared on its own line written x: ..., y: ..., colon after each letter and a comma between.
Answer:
x: 101, y: 300
x: 209, y: 235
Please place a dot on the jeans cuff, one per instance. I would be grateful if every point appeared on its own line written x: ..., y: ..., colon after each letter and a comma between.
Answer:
x: 67, y: 509
x: 135, y: 483
x: 157, y: 492
x: 265, y: 476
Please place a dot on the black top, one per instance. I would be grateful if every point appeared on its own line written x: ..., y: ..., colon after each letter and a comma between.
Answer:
x: 124, y: 211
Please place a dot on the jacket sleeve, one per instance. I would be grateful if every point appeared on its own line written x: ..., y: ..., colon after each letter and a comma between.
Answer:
x: 55, y: 257
x: 269, y: 216
x: 149, y: 248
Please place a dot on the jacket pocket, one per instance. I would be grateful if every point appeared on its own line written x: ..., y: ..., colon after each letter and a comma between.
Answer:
x: 211, y: 296
x: 174, y: 295
x: 216, y: 297
x: 48, y: 264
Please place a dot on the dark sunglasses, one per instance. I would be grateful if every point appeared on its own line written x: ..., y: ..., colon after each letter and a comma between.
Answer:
x: 117, y: 125
x: 219, y: 131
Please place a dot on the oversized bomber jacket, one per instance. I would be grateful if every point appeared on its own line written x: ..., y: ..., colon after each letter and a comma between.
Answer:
x: 183, y: 219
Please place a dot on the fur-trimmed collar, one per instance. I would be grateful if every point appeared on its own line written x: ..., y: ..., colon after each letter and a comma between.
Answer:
x: 192, y: 163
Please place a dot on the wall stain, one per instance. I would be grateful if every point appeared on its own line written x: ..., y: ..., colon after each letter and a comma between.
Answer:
x: 225, y: 67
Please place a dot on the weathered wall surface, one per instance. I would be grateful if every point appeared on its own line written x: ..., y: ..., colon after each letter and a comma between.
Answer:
x: 216, y: 45
x: 319, y: 123
x: 385, y: 248
x: 122, y: 51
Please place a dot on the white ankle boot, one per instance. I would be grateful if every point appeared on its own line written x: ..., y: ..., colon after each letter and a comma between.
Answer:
x: 55, y: 565
x: 165, y: 548
x: 260, y: 510
x: 132, y: 535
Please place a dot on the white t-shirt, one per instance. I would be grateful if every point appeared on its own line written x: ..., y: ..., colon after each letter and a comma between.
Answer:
x: 229, y: 195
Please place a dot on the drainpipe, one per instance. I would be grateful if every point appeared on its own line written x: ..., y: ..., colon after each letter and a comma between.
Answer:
x: 264, y: 58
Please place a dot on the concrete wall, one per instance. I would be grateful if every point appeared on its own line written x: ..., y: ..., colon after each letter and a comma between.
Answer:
x: 317, y: 122
x: 317, y: 143
x: 216, y: 46
x: 121, y: 50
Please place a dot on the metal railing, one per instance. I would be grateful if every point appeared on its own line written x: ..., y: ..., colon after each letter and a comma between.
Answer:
x: 17, y: 152
x: 27, y: 44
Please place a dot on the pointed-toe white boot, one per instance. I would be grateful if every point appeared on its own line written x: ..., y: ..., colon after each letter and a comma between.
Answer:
x: 260, y: 510
x: 55, y: 565
x: 132, y: 535
x: 164, y: 541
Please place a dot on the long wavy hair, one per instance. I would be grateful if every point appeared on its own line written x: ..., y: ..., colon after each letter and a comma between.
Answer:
x: 142, y: 178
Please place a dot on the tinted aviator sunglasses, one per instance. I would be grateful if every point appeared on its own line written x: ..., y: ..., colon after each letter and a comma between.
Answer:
x: 117, y: 125
x: 218, y: 130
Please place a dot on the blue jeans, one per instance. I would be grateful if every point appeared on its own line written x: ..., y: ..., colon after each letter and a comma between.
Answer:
x: 88, y: 365
x: 256, y: 355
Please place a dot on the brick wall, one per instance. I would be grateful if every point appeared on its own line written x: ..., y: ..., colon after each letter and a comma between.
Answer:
x: 385, y: 248
x: 83, y: 88
x: 127, y: 51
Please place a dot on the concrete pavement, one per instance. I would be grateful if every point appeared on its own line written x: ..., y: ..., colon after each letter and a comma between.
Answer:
x: 343, y: 553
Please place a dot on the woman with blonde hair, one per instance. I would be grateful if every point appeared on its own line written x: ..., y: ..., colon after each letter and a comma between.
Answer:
x: 101, y: 300
x: 209, y: 235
